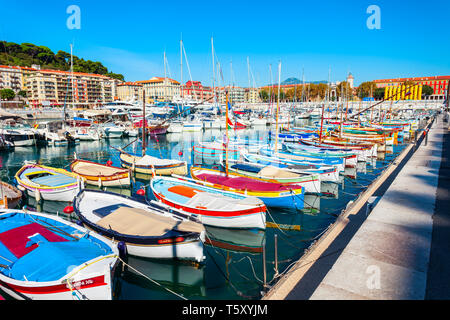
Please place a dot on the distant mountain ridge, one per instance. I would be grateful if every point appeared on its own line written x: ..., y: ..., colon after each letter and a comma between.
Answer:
x: 289, y: 81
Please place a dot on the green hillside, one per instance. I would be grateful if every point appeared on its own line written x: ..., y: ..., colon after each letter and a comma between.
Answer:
x: 27, y: 54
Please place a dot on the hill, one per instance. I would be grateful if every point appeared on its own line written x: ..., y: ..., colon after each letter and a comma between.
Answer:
x: 298, y: 81
x: 27, y: 54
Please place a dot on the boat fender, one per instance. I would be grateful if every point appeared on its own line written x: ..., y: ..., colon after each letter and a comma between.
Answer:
x: 109, y: 163
x: 122, y: 247
x: 37, y: 195
x: 141, y: 192
x: 68, y: 210
x: 180, y: 153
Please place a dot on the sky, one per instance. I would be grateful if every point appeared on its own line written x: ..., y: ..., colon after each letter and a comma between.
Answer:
x: 319, y: 40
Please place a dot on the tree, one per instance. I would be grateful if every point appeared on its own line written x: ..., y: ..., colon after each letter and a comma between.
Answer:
x: 264, y: 95
x: 379, y: 93
x: 427, y: 91
x: 7, y: 94
x: 22, y: 93
x: 366, y: 89
x: 344, y: 90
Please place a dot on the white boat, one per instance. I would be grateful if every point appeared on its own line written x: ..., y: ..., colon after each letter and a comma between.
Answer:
x: 258, y: 122
x: 88, y: 134
x: 192, y: 124
x: 175, y: 127
x: 44, y: 257
x: 112, y: 131
x: 48, y: 183
x: 55, y: 133
x: 14, y: 130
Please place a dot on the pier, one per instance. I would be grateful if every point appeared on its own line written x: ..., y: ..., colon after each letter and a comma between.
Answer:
x: 391, y: 243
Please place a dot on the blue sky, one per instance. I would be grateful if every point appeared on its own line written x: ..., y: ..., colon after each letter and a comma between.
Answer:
x: 130, y: 37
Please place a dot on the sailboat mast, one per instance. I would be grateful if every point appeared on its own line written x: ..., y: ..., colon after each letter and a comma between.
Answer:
x: 226, y: 133
x: 213, y: 70
x: 144, y: 141
x: 181, y: 64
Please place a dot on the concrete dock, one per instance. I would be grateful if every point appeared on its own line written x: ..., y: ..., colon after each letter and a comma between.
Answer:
x: 400, y: 250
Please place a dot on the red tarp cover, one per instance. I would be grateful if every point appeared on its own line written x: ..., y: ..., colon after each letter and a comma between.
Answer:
x: 246, y: 183
x: 16, y: 239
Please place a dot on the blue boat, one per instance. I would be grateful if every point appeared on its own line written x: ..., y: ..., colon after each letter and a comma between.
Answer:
x: 46, y: 257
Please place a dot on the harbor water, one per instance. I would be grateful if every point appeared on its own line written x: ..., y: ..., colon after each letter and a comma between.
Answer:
x: 234, y: 264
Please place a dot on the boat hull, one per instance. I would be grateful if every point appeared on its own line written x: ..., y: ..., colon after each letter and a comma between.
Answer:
x: 91, y: 280
x: 254, y: 217
x: 179, y: 168
x: 119, y: 179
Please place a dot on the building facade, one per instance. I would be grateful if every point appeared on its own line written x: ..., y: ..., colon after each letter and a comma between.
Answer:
x: 235, y: 94
x: 11, y: 78
x: 57, y: 88
x: 160, y: 89
x: 130, y: 91
x: 439, y: 84
x: 251, y: 95
x: 195, y: 90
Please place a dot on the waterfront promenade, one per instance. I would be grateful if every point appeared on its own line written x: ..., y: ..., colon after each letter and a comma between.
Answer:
x: 397, y: 252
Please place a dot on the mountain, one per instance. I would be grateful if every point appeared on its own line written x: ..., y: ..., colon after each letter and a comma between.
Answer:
x: 27, y: 54
x: 289, y: 81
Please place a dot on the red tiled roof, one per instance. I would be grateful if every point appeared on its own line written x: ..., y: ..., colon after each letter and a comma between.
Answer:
x: 157, y: 79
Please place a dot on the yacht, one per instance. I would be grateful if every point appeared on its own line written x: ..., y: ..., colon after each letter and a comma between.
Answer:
x: 18, y: 132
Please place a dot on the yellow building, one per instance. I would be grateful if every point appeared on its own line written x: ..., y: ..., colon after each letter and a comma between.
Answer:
x: 402, y: 92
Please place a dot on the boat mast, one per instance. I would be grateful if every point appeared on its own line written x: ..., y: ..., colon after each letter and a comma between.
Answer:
x: 213, y: 70
x: 226, y: 133
x: 181, y: 64
x: 144, y: 141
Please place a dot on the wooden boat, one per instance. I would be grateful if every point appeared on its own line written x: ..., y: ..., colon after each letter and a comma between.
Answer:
x: 326, y: 173
x: 152, y: 165
x: 270, y: 173
x: 47, y: 183
x: 338, y: 162
x: 214, y: 151
x: 10, y: 196
x: 148, y: 230
x: 46, y: 257
x: 273, y: 194
x: 100, y: 174
x: 213, y: 207
x: 363, y: 151
x: 374, y: 138
x: 245, y: 240
x: 323, y: 153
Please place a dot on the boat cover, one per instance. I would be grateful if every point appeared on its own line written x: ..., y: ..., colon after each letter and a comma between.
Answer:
x: 38, y: 250
x: 243, y: 183
x: 149, y: 160
x: 94, y: 169
x: 140, y: 222
x: 274, y: 172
